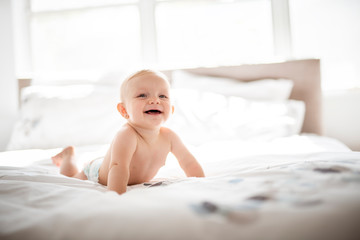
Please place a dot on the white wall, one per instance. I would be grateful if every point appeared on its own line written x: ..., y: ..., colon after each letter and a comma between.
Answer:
x: 330, y: 30
x: 341, y: 116
x: 8, y: 85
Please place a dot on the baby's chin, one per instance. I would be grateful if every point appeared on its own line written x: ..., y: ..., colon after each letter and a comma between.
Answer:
x: 150, y: 122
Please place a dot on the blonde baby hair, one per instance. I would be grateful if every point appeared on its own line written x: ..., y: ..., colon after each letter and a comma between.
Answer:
x: 137, y: 74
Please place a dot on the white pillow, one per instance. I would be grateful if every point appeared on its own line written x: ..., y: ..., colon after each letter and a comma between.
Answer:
x: 204, y: 116
x: 266, y: 89
x: 57, y: 116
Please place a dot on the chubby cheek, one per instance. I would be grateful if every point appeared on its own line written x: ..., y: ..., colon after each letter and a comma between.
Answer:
x: 135, y: 110
x: 168, y: 111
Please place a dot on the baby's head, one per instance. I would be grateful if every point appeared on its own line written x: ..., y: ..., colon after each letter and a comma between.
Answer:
x: 145, y: 98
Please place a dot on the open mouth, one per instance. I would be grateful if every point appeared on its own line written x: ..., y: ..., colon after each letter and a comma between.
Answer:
x: 153, y: 112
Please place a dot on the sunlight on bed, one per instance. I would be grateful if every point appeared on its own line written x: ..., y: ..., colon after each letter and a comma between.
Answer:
x: 23, y: 158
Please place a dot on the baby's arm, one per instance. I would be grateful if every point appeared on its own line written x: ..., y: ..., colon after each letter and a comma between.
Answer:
x: 122, y: 150
x: 186, y: 160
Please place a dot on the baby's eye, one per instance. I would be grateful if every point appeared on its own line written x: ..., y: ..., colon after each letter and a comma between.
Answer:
x: 142, y: 95
x: 162, y: 96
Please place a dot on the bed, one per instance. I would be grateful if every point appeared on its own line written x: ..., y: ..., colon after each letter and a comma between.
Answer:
x: 255, y: 129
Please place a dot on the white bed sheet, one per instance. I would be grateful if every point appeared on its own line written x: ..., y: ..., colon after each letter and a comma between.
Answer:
x: 301, y: 187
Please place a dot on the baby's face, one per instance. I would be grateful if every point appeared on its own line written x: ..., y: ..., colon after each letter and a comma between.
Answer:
x: 147, y: 100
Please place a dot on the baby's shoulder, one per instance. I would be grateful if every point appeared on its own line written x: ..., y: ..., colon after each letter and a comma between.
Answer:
x: 167, y: 132
x: 126, y: 132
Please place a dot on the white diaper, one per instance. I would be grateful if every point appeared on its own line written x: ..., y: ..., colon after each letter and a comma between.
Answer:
x: 92, y: 168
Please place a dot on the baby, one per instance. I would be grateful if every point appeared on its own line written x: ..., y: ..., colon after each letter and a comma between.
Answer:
x: 140, y: 147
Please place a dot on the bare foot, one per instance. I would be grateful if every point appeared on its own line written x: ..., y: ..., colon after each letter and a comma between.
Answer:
x: 66, y: 153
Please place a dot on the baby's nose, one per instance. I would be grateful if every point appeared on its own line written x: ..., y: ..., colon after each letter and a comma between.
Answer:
x: 154, y: 100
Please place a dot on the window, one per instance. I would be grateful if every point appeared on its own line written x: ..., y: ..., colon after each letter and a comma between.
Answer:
x: 83, y: 37
x: 90, y: 36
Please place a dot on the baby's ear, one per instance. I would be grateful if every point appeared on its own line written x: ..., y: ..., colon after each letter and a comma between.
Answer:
x: 122, y: 110
x: 172, y: 109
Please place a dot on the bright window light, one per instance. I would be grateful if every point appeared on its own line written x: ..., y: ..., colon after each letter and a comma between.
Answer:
x: 90, y: 39
x: 91, y: 36
x: 213, y: 32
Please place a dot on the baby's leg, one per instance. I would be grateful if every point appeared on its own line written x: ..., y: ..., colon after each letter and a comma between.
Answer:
x: 66, y: 161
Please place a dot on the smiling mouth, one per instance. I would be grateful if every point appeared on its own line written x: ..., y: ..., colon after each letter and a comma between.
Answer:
x: 153, y: 112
